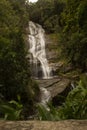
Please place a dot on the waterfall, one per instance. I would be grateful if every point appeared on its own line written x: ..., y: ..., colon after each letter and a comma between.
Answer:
x: 38, y: 58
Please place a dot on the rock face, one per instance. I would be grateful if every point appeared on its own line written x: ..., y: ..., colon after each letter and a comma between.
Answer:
x: 55, y: 86
x: 52, y: 52
x: 42, y: 125
x: 53, y: 89
x: 51, y: 47
x: 59, y: 87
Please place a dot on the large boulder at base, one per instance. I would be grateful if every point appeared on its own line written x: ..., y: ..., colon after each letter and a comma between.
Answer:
x: 44, y: 125
x: 55, y: 85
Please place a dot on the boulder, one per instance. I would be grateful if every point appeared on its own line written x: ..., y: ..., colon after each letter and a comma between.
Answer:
x: 55, y: 86
x: 44, y: 125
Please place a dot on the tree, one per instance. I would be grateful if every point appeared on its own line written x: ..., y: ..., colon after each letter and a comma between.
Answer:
x: 47, y: 13
x: 15, y: 77
x: 74, y: 43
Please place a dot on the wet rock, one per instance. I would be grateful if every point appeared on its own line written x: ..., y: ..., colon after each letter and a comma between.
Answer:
x: 55, y: 86
x: 59, y: 87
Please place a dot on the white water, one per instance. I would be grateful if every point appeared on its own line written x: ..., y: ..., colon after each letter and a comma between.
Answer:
x: 37, y: 50
x: 45, y: 98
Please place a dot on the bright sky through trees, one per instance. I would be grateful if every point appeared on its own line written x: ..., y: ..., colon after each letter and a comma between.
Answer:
x: 33, y: 0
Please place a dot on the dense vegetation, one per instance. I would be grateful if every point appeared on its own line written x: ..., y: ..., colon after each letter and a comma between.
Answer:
x: 74, y: 40
x: 15, y: 77
x: 47, y: 13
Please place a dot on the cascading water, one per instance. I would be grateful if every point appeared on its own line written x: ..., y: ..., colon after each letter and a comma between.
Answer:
x: 38, y: 58
x: 37, y: 49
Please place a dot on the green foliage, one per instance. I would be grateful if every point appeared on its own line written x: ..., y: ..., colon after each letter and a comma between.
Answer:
x: 14, y: 70
x: 73, y: 38
x: 15, y: 76
x: 75, y: 49
x: 51, y: 115
x: 75, y: 106
x: 11, y: 110
x: 47, y: 13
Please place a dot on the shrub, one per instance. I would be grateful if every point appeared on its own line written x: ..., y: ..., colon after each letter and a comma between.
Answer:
x: 11, y: 110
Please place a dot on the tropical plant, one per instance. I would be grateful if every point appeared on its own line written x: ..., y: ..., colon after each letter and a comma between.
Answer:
x: 11, y: 110
x: 45, y: 114
x: 75, y: 106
